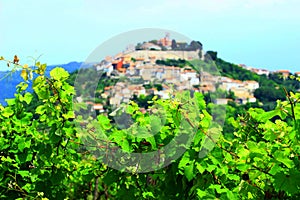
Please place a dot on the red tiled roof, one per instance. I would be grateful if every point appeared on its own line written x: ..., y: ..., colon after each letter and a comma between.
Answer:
x: 283, y: 71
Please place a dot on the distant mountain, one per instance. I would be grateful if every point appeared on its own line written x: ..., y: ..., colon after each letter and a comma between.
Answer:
x: 9, y: 83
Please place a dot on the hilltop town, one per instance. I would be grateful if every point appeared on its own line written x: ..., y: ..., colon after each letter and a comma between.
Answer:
x: 160, y: 67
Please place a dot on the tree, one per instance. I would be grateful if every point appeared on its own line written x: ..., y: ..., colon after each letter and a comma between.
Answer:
x: 138, y: 46
x: 154, y: 42
x: 200, y: 54
x: 211, y: 55
x: 174, y: 45
x: 269, y: 94
x: 195, y: 45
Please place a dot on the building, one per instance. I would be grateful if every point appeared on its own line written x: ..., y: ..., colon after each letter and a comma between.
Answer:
x: 98, y: 107
x: 166, y: 41
x: 221, y: 101
x: 251, y: 85
x: 151, y: 46
x: 285, y: 73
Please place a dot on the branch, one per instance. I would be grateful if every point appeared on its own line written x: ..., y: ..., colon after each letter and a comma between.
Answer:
x: 292, y: 105
x: 96, y: 192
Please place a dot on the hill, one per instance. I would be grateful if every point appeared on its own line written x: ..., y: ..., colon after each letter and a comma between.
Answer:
x: 9, y: 81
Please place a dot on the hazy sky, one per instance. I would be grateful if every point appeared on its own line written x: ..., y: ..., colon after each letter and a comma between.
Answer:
x: 259, y: 33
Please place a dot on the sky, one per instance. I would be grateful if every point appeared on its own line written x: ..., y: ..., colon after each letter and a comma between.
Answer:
x: 258, y: 33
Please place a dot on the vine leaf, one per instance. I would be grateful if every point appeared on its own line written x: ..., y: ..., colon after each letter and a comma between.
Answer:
x: 59, y: 73
x: 288, y: 183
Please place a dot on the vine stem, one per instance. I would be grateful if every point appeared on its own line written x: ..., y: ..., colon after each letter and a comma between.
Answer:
x: 96, y: 192
x: 292, y: 104
x: 16, y: 65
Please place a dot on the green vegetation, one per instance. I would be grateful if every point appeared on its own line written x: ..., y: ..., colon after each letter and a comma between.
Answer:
x: 159, y: 87
x: 193, y: 46
x: 271, y: 87
x: 235, y: 72
x: 44, y: 154
x: 173, y: 62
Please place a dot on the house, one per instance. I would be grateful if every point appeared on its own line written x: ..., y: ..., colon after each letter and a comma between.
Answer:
x: 164, y: 94
x: 228, y: 83
x: 98, y: 107
x: 221, y: 101
x: 262, y: 72
x: 116, y: 100
x: 79, y: 99
x: 251, y: 85
x: 189, y: 75
x: 207, y: 87
x: 171, y: 73
x: 251, y: 99
x: 166, y: 42
x: 257, y: 71
x: 244, y: 100
x: 105, y: 95
x: 285, y: 73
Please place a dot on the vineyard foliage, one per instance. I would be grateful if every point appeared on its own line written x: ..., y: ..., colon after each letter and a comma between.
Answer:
x: 44, y: 152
